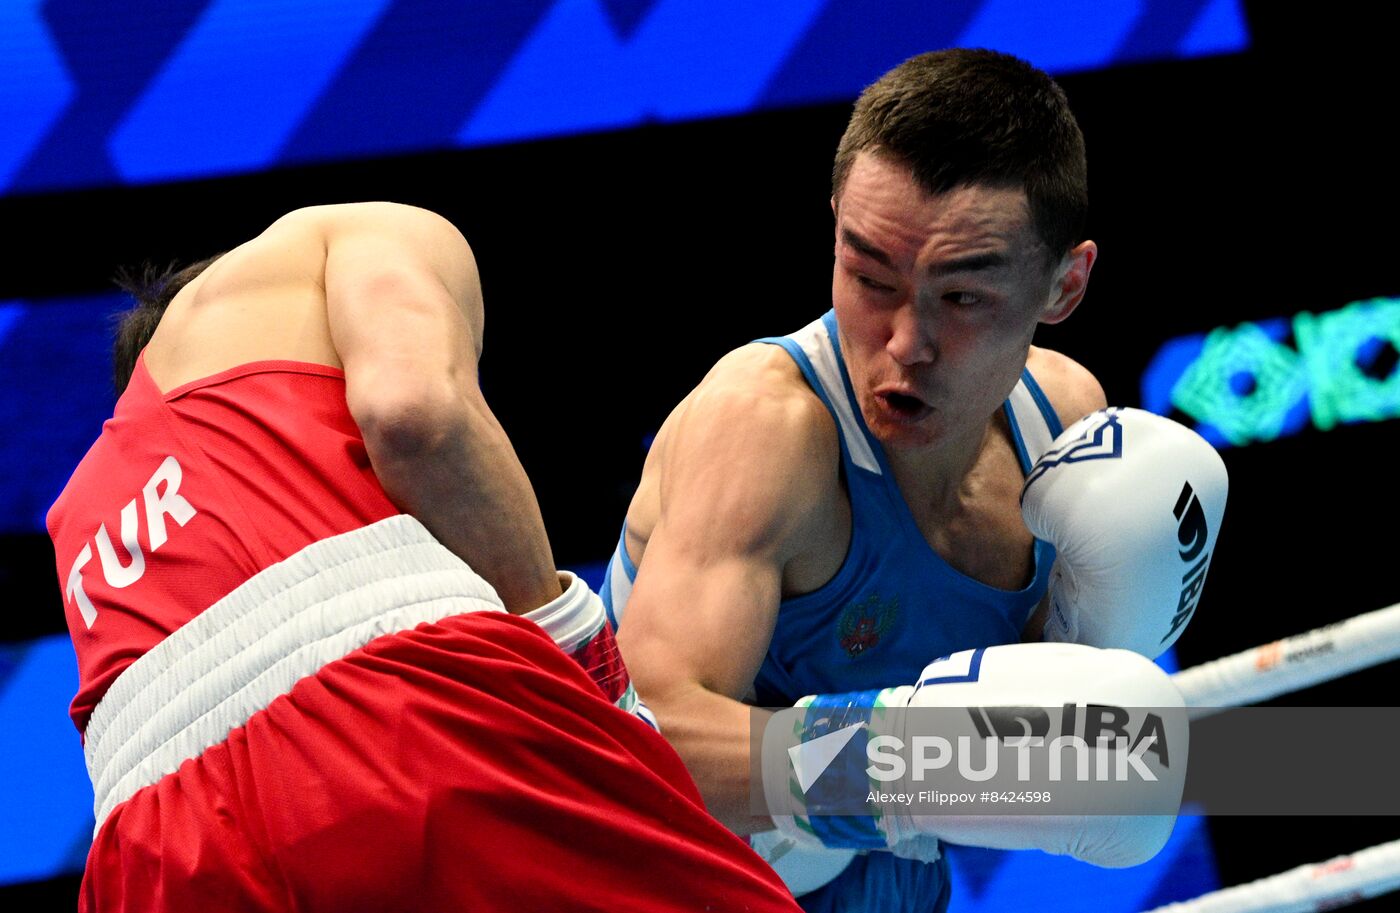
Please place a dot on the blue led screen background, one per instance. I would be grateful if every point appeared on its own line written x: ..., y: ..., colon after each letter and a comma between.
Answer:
x: 1230, y: 185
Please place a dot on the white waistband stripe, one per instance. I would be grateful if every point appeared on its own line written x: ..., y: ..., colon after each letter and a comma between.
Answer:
x: 283, y: 624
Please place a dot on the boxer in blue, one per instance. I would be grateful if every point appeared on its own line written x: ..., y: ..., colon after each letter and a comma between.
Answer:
x: 828, y: 512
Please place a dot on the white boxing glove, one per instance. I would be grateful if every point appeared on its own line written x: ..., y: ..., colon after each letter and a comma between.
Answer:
x: 802, y: 866
x: 1119, y: 685
x: 1058, y: 689
x: 1132, y: 503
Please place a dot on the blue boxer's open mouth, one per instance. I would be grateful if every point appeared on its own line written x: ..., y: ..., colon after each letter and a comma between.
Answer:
x: 904, y: 405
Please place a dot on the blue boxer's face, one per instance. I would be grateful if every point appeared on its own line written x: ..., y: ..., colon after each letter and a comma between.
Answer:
x: 937, y: 298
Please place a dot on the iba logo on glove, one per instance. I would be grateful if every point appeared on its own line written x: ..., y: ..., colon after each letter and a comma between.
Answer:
x: 1193, y: 532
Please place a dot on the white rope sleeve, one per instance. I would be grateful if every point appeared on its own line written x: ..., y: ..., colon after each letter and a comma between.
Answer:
x: 1320, y: 886
x: 1292, y: 663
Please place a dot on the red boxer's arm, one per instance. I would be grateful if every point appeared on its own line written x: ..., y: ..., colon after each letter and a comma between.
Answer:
x: 403, y: 301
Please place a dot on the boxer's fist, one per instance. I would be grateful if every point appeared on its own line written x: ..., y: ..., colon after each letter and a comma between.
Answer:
x: 1132, y: 503
x: 1131, y: 823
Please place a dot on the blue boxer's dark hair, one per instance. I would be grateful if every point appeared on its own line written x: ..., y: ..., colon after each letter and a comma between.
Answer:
x: 153, y: 288
x: 964, y: 117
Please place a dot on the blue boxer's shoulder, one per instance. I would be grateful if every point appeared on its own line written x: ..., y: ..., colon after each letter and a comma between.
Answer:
x: 894, y: 601
x: 1072, y: 389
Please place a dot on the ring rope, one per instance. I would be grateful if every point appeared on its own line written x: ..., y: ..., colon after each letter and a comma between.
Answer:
x: 1328, y: 885
x: 1291, y: 664
x: 1268, y: 671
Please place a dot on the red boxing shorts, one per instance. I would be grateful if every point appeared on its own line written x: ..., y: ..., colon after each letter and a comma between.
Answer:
x: 361, y: 727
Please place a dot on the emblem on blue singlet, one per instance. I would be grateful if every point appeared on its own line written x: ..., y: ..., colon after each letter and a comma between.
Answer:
x: 863, y: 623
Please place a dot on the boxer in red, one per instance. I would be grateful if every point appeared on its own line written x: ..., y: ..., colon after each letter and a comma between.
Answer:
x: 293, y: 567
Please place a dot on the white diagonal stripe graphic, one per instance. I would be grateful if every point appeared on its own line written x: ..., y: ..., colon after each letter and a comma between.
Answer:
x: 811, y: 759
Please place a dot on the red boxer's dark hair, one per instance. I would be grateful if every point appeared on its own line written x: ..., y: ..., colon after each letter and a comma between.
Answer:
x: 965, y: 117
x: 153, y: 288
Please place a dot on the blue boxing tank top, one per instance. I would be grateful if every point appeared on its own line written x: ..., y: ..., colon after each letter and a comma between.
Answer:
x: 893, y: 607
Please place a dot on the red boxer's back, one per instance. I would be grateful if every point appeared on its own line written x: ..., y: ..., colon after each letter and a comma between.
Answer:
x: 186, y: 494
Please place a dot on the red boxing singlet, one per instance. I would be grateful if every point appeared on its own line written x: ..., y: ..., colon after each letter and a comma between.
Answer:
x: 189, y: 493
x: 363, y: 727
x: 307, y: 702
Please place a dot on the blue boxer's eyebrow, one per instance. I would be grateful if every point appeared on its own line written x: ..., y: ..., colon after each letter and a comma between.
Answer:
x: 969, y: 264
x: 851, y: 239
